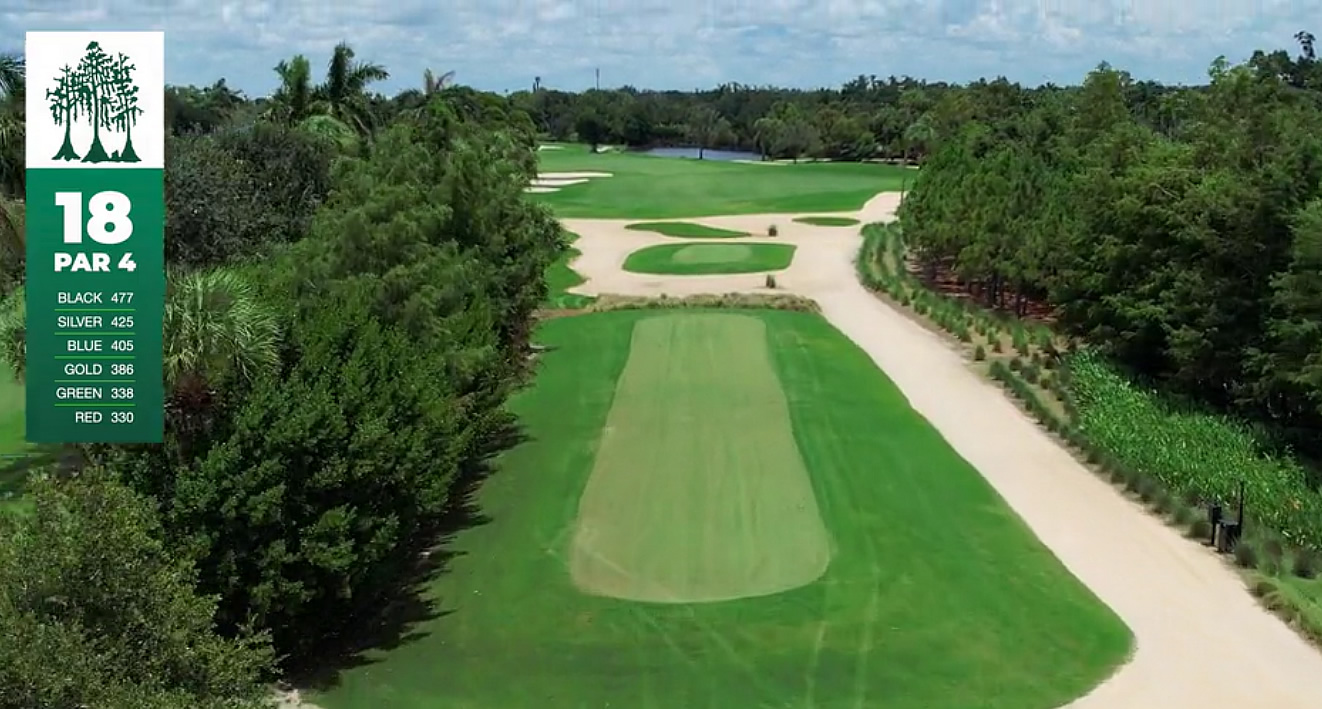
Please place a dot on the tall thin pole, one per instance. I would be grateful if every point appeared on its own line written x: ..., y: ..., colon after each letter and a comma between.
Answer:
x: 598, y: 78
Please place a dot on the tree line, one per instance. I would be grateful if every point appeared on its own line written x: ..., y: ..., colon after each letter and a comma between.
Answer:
x: 351, y: 290
x: 1184, y: 238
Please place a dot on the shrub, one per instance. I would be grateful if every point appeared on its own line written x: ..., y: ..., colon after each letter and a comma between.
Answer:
x: 771, y: 280
x: 1183, y: 515
x: 1191, y: 451
x: 1163, y: 502
x: 1030, y: 373
x: 1274, y: 551
x: 1200, y: 528
x: 1016, y: 364
x: 773, y: 230
x: 997, y: 346
x: 1246, y: 554
x: 979, y: 354
x: 1305, y: 564
x: 1146, y: 488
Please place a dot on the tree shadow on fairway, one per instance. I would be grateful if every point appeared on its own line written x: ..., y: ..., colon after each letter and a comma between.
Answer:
x: 390, y: 620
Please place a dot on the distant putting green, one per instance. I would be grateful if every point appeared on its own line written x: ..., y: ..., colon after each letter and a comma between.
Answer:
x: 827, y: 221
x: 686, y: 503
x: 686, y: 230
x: 651, y: 187
x: 935, y: 594
x: 708, y: 259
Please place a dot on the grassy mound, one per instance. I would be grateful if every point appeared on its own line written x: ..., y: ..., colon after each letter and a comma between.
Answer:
x: 686, y: 230
x: 560, y: 278
x: 827, y: 221
x: 706, y: 259
x: 936, y: 594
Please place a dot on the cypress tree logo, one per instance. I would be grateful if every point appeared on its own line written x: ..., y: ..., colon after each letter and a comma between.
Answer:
x: 98, y: 93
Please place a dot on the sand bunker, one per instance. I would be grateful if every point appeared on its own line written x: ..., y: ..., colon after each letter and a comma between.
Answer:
x: 540, y: 190
x: 571, y: 175
x: 556, y: 182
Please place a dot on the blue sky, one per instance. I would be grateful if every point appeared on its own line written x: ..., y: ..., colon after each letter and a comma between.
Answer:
x: 502, y: 44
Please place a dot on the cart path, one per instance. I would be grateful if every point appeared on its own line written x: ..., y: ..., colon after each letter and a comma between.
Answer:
x: 1200, y: 637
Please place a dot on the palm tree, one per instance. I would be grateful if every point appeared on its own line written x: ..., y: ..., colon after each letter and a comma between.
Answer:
x: 13, y: 245
x: 216, y: 332
x: 432, y: 84
x: 13, y: 99
x: 341, y: 97
x: 1306, y: 41
x: 215, y: 328
x: 293, y: 100
x: 345, y: 89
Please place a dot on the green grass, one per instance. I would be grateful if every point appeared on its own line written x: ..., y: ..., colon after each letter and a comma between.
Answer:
x: 560, y: 278
x: 827, y: 221
x: 671, y: 460
x: 686, y: 230
x: 706, y: 259
x: 649, y: 187
x: 937, y: 595
x: 12, y: 443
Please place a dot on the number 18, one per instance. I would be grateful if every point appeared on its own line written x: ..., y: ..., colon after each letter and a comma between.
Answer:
x: 109, y: 223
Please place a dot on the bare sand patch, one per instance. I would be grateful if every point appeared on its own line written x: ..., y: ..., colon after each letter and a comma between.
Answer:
x: 572, y: 175
x: 556, y: 182
x: 538, y: 189
x: 698, y: 492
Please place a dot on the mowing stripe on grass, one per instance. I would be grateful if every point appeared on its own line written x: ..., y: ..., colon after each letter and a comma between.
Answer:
x: 698, y: 491
x: 713, y: 253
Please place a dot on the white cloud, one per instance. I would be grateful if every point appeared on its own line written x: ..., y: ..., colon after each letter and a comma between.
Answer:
x: 502, y: 44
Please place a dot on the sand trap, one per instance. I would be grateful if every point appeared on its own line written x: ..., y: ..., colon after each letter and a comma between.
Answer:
x: 572, y: 175
x: 540, y: 190
x: 698, y: 492
x: 760, y: 162
x: 1201, y: 639
x: 550, y: 147
x: 556, y: 181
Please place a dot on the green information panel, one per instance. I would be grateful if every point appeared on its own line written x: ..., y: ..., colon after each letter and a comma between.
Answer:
x: 95, y: 237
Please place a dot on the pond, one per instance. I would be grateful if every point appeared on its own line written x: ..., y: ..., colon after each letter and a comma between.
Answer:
x: 706, y: 154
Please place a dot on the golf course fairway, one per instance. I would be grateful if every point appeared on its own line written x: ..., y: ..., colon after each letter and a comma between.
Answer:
x: 935, y: 593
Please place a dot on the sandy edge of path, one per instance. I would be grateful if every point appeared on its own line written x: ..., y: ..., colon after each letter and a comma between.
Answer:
x: 1200, y: 637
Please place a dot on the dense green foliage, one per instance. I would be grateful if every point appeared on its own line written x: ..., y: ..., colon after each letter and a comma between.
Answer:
x: 1186, y: 241
x: 96, y: 612
x: 347, y: 314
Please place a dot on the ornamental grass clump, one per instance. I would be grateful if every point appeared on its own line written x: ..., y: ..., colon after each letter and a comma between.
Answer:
x: 1191, y: 452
